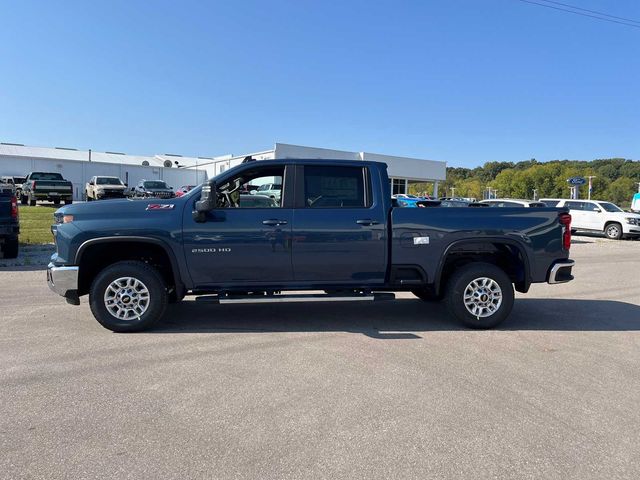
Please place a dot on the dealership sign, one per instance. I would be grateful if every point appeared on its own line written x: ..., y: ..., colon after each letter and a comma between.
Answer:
x: 576, y: 181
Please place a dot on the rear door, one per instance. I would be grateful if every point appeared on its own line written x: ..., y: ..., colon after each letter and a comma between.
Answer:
x: 339, y: 226
x: 579, y: 218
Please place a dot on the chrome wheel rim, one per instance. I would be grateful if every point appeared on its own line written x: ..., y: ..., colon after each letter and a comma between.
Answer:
x: 482, y: 297
x: 612, y: 231
x: 126, y: 298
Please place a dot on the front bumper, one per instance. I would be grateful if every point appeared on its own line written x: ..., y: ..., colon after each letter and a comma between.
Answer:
x: 63, y: 281
x: 560, y: 272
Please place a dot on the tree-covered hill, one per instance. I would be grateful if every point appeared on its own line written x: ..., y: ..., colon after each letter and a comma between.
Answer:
x: 616, y: 179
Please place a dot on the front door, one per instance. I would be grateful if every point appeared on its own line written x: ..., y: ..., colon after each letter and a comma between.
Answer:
x: 246, y: 240
x: 339, y: 231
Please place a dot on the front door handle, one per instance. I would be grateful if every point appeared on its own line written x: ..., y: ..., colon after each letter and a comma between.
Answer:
x: 273, y: 222
x: 367, y: 222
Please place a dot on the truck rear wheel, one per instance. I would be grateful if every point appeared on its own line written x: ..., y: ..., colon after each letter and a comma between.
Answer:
x: 128, y: 296
x: 480, y: 295
x: 32, y: 201
x: 10, y: 247
x: 56, y: 201
x: 68, y: 202
x: 23, y: 199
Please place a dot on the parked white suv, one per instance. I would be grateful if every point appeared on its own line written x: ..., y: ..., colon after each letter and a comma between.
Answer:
x: 597, y: 216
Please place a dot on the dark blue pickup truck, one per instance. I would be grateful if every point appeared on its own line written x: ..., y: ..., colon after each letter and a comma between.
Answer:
x: 333, y: 229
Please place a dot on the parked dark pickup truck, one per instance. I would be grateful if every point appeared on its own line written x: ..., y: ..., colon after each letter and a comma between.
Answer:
x: 46, y: 186
x: 9, y: 226
x: 333, y: 229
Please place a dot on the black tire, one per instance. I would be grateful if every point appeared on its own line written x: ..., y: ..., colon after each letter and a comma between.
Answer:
x: 613, y: 231
x: 56, y: 201
x: 32, y: 201
x: 68, y: 202
x: 463, y: 278
x: 89, y: 199
x: 426, y: 295
x: 148, y: 276
x: 10, y: 247
x: 23, y: 199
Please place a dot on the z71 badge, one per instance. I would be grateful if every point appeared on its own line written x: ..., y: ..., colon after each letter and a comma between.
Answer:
x: 160, y: 206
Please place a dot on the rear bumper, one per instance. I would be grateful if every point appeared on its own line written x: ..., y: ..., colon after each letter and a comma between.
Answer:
x: 49, y: 195
x: 63, y: 280
x: 560, y: 272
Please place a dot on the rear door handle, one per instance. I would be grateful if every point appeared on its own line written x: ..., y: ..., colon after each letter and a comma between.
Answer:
x: 367, y: 222
x: 274, y: 223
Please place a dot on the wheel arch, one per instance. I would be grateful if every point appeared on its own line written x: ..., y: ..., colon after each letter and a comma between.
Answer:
x: 138, y: 248
x: 498, y: 251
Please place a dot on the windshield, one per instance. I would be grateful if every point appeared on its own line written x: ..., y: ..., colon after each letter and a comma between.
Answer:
x: 108, y: 181
x: 46, y: 176
x: 155, y: 184
x: 610, y: 207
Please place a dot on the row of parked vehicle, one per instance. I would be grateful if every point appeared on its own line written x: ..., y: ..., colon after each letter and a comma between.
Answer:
x: 51, y: 186
x: 587, y: 215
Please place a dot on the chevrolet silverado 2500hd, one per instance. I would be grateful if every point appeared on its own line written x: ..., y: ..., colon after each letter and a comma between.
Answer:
x: 334, y: 229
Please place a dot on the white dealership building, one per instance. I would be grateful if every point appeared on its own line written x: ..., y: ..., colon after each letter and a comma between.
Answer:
x: 78, y: 166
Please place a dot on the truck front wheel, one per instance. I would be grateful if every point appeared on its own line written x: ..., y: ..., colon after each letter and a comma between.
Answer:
x: 32, y: 201
x: 480, y: 295
x: 128, y: 296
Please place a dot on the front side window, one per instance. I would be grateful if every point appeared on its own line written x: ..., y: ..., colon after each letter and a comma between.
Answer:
x: 610, y: 207
x: 334, y: 187
x: 551, y: 203
x: 240, y: 191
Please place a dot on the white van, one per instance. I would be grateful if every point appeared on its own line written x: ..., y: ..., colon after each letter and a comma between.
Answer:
x: 598, y: 216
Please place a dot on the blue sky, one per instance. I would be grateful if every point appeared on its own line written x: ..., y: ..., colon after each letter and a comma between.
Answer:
x: 466, y: 81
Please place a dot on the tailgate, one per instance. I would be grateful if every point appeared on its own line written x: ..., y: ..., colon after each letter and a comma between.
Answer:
x: 52, y: 186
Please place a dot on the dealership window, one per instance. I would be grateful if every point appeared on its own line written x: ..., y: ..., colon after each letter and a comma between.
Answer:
x: 398, y: 185
x: 334, y: 187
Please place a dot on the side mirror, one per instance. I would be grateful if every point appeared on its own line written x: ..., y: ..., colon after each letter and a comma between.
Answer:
x: 126, y: 184
x: 171, y: 188
x: 90, y: 183
x: 207, y: 201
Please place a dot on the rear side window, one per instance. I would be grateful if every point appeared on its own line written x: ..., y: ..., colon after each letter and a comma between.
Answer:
x: 574, y: 205
x: 541, y: 204
x: 334, y: 187
x: 550, y: 203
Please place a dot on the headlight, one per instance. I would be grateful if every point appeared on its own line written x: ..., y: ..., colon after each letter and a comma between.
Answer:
x: 632, y: 221
x: 60, y: 218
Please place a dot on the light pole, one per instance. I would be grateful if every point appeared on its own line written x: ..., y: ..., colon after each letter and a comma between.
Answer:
x: 590, y: 186
x: 535, y: 194
x: 453, y: 191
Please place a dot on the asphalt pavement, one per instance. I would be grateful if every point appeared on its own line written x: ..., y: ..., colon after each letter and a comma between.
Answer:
x: 378, y: 390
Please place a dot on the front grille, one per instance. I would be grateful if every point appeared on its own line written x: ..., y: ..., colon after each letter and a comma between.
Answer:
x: 162, y: 194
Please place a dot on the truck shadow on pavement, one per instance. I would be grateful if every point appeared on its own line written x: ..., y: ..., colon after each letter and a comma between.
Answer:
x: 398, y: 319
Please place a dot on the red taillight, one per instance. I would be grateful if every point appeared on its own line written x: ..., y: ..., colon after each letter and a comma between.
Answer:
x: 14, y: 207
x: 33, y: 184
x: 565, y: 220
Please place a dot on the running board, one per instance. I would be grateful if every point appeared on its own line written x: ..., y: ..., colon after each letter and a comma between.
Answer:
x: 294, y: 298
